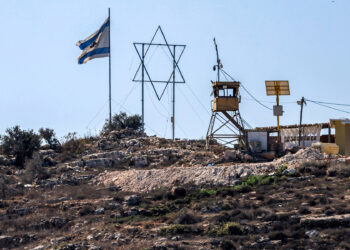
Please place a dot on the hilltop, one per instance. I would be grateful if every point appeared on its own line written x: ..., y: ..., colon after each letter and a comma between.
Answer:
x: 126, y: 190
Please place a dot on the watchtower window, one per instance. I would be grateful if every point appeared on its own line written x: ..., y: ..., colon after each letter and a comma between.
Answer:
x: 231, y: 92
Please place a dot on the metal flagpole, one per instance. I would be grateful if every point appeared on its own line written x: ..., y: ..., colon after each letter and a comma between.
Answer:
x: 110, y: 85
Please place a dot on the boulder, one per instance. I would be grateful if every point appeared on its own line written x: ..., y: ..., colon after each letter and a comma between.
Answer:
x: 132, y: 200
x: 230, y: 155
x: 140, y: 161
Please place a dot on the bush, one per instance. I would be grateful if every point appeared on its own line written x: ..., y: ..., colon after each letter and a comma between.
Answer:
x: 175, y: 229
x: 206, y: 192
x: 20, y: 143
x: 73, y: 146
x: 184, y: 217
x: 34, y: 170
x: 122, y: 121
x: 50, y: 137
x: 229, y: 228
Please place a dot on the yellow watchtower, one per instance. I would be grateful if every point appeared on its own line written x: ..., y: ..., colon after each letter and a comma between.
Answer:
x: 226, y: 96
x: 226, y: 110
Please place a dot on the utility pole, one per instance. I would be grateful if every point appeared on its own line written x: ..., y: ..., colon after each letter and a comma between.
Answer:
x: 301, y: 103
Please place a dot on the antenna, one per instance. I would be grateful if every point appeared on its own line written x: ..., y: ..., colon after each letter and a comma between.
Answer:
x: 218, y: 66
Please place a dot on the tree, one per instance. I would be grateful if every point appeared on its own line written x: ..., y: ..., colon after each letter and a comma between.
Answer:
x: 20, y: 143
x: 34, y: 169
x: 50, y: 137
x: 122, y: 121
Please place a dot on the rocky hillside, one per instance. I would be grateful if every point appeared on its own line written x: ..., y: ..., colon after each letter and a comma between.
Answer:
x: 124, y: 190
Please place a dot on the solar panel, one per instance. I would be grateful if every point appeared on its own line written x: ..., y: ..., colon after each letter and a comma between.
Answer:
x: 277, y: 88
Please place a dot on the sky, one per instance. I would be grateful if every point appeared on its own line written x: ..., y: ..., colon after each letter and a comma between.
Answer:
x: 42, y: 85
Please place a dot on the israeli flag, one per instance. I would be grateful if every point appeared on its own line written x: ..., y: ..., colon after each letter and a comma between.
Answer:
x: 95, y: 46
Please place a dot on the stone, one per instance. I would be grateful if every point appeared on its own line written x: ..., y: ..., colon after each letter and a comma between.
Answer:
x: 40, y: 247
x: 140, y: 161
x: 132, y: 200
x: 133, y: 211
x: 100, y: 210
x: 90, y: 237
x: 312, y: 233
x: 230, y: 155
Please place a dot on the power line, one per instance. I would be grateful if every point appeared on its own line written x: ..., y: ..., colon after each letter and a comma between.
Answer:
x: 259, y: 102
x: 344, y: 111
x: 330, y: 103
x: 128, y: 111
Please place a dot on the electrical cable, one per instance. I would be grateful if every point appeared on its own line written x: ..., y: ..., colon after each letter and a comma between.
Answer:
x: 100, y: 110
x: 247, y: 91
x: 206, y: 110
x: 190, y: 104
x: 330, y: 103
x: 344, y: 111
x: 128, y: 111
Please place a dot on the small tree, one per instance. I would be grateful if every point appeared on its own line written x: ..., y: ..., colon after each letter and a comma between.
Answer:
x: 20, y: 143
x: 122, y: 121
x: 34, y: 169
x: 50, y: 137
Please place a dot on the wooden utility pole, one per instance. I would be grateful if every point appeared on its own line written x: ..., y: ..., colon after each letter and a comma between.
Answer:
x: 301, y: 103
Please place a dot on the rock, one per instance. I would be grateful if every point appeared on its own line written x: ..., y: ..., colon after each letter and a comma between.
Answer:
x: 4, y: 160
x: 132, y: 200
x: 215, y: 242
x: 312, y: 233
x: 90, y: 237
x: 245, y: 173
x: 263, y: 240
x: 113, y: 206
x: 133, y: 211
x: 40, y: 247
x: 178, y: 192
x: 230, y: 155
x: 100, y: 210
x: 6, y: 241
x: 140, y: 161
x: 290, y: 171
x: 268, y: 155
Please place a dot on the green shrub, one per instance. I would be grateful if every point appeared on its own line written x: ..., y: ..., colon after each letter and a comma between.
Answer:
x: 20, y: 143
x: 175, y: 229
x: 229, y: 228
x: 207, y: 192
x: 121, y: 121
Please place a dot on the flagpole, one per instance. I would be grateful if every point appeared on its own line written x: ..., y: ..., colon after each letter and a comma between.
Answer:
x: 110, y: 85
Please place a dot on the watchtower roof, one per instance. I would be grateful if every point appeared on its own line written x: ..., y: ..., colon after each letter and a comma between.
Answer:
x: 228, y: 84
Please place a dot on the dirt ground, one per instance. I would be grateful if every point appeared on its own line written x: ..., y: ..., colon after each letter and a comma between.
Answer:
x: 309, y: 209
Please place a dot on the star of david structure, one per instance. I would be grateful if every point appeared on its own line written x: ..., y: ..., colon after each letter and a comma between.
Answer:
x: 142, y: 51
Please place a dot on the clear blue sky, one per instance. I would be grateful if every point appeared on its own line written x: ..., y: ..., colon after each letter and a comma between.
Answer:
x: 303, y: 41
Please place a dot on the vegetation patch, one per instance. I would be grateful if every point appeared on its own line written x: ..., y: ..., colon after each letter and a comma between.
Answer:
x: 175, y: 229
x: 229, y: 228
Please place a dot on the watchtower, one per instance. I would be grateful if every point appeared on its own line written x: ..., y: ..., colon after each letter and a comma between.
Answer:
x: 225, y: 109
x: 226, y: 96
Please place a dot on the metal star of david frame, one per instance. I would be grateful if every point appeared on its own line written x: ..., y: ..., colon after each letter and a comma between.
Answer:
x: 143, y: 67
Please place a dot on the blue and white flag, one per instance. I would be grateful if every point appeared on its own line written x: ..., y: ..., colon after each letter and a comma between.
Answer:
x: 96, y: 45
